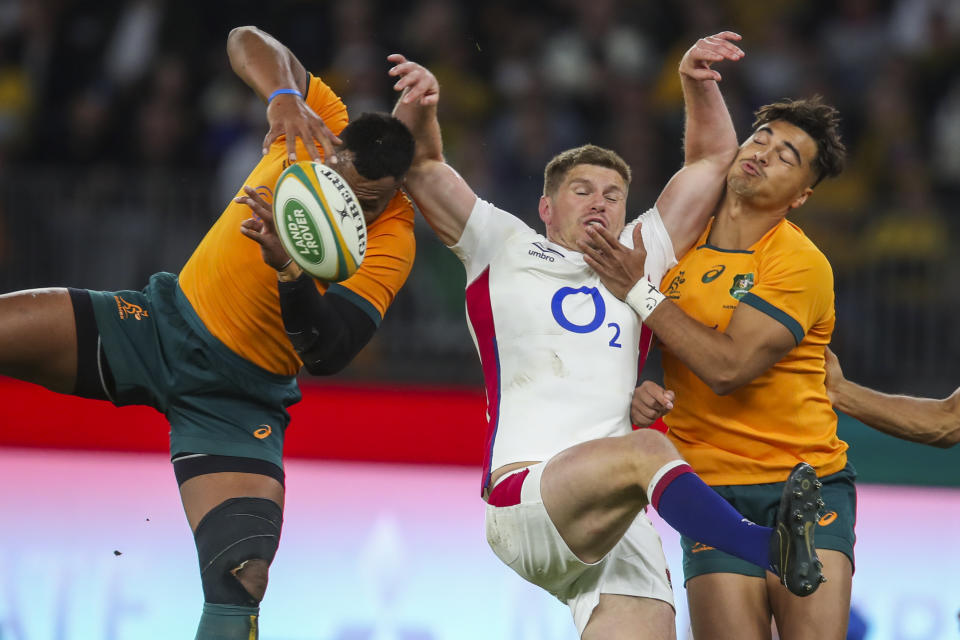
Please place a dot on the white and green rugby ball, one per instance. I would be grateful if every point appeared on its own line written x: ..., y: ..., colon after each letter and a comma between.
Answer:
x: 319, y: 221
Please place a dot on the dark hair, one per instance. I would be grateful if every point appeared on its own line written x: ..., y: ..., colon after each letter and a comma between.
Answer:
x: 561, y: 163
x: 820, y: 121
x: 381, y: 146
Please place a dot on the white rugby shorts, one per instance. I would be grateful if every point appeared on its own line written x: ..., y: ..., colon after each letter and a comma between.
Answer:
x: 523, y: 536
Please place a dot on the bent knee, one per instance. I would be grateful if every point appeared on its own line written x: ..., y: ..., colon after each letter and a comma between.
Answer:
x: 650, y: 450
x: 236, y: 542
x: 651, y: 444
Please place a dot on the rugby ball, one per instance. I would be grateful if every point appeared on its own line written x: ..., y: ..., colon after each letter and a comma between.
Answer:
x: 319, y: 221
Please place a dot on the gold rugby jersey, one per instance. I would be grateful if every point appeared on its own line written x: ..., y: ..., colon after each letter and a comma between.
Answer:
x: 757, y: 433
x: 235, y: 293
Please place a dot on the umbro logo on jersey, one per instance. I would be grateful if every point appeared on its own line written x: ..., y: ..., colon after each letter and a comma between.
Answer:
x: 543, y: 252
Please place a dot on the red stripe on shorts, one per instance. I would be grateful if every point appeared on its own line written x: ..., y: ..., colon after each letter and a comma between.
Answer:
x: 507, y: 493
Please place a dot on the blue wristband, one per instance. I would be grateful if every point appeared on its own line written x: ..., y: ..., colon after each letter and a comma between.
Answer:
x: 278, y: 92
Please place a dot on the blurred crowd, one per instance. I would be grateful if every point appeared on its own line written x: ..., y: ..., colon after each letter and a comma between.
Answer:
x: 96, y: 97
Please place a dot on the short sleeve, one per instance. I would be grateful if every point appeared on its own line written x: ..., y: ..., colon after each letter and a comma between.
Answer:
x: 326, y: 104
x: 656, y: 241
x: 795, y: 288
x: 389, y: 257
x: 484, y: 234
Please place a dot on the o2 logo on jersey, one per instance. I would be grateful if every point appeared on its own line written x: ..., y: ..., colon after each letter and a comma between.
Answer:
x: 599, y: 312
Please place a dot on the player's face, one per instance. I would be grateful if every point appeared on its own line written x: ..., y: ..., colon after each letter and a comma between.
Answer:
x: 589, y: 194
x: 373, y: 195
x: 773, y: 170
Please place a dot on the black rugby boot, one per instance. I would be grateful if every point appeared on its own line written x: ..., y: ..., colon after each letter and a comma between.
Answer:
x: 793, y: 556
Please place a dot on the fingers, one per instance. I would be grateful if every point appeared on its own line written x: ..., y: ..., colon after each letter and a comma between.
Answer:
x: 260, y: 207
x: 603, y: 239
x: 327, y: 140
x: 650, y: 401
x: 728, y: 35
x: 397, y: 59
x: 596, y: 255
x: 652, y: 394
x: 269, y: 139
x: 721, y: 47
x: 291, y: 143
x: 638, y: 238
x: 247, y: 228
x: 415, y: 81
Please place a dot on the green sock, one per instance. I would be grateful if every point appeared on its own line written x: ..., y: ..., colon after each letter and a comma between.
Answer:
x: 228, y: 622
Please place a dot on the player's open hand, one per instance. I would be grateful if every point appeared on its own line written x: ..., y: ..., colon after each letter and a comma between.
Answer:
x: 416, y: 82
x: 650, y: 402
x: 706, y: 51
x: 261, y: 230
x: 619, y: 267
x: 288, y: 115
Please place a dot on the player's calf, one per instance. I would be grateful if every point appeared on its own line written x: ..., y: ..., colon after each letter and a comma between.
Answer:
x: 793, y: 556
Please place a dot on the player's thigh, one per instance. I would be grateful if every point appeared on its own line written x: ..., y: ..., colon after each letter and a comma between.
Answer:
x: 821, y: 616
x: 38, y: 338
x: 594, y: 490
x: 619, y: 617
x: 729, y: 606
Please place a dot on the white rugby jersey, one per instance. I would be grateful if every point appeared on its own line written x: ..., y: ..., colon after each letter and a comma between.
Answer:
x: 560, y: 353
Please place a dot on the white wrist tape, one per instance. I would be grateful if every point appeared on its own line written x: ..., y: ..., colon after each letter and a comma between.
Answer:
x: 644, y: 297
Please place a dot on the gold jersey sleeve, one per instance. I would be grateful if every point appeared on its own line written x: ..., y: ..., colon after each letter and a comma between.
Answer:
x: 235, y: 294
x: 757, y: 433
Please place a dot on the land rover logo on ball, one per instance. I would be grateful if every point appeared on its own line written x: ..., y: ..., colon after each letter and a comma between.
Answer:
x: 302, y: 231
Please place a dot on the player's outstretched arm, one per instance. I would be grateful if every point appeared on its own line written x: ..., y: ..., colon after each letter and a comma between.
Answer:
x: 710, y: 142
x: 442, y: 195
x: 923, y: 420
x: 271, y: 69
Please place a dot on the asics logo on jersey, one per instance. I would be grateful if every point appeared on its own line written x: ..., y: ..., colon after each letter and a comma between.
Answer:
x: 127, y: 309
x: 543, y: 252
x: 699, y: 546
x: 827, y: 518
x: 262, y: 432
x: 713, y: 273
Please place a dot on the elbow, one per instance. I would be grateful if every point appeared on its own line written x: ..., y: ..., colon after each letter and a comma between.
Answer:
x: 723, y: 385
x: 726, y: 380
x: 326, y: 362
x: 723, y: 388
x: 950, y: 438
x: 325, y: 367
x: 238, y: 34
x: 235, y: 43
